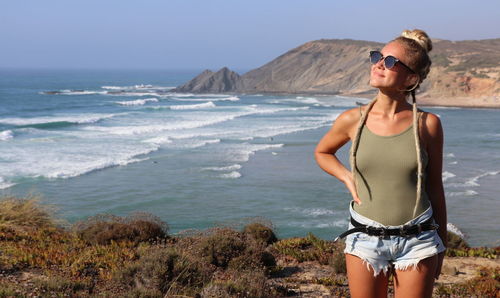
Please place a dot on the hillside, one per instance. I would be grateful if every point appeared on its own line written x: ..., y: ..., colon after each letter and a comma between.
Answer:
x: 464, y: 73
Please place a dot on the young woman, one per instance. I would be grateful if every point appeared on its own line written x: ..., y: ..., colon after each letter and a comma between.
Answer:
x: 398, y: 212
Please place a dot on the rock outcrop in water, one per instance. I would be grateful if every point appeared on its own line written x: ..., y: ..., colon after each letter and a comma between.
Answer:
x: 467, y: 72
x: 223, y: 80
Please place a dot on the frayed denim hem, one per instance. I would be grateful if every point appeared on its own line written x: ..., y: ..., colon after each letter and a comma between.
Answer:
x: 373, y: 265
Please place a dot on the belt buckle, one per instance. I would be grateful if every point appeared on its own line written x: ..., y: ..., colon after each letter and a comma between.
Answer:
x: 376, y: 231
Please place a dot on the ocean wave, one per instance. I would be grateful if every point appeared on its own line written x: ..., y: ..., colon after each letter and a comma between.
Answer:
x: 158, y: 140
x: 132, y: 93
x: 155, y: 128
x: 187, y: 124
x: 341, y: 223
x: 454, y: 229
x: 245, y: 150
x: 6, y: 135
x: 474, y: 180
x: 229, y: 98
x: 312, y: 212
x: 77, y: 167
x: 205, y: 105
x: 137, y: 102
x: 139, y: 87
x: 221, y: 169
x: 72, y: 92
x: 467, y: 193
x: 5, y: 184
x: 197, y: 143
x: 447, y: 175
x: 57, y: 120
x: 232, y: 175
x: 450, y: 155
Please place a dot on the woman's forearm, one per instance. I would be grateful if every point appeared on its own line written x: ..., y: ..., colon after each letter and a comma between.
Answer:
x: 438, y: 204
x: 332, y: 165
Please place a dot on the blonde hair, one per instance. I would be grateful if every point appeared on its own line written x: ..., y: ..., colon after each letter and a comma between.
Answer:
x: 417, y: 46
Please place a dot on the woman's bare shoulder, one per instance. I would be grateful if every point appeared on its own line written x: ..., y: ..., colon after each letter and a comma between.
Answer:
x: 349, y: 117
x: 431, y: 123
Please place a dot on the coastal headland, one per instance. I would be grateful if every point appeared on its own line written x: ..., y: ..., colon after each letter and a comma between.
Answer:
x: 463, y: 73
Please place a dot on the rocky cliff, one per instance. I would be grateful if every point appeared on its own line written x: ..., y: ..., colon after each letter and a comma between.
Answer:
x: 461, y: 69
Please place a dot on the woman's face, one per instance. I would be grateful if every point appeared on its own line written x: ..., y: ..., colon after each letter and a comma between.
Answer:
x: 397, y: 78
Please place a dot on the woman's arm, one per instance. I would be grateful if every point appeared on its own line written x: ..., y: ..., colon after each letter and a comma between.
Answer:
x: 341, y: 132
x: 434, y: 185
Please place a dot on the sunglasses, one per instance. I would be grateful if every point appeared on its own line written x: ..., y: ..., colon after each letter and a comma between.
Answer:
x: 389, y: 61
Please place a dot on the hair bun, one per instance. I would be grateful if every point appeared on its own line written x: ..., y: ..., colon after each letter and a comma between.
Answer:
x: 420, y: 37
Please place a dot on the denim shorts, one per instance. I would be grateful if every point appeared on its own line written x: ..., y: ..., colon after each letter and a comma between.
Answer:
x: 402, y: 253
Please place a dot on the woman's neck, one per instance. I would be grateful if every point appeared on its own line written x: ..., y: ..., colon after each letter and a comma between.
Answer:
x: 390, y: 103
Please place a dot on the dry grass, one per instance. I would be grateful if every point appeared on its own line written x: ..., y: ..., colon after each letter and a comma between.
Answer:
x: 137, y: 227
x: 21, y: 214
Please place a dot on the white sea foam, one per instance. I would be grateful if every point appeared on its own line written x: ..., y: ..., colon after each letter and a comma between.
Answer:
x: 453, y: 162
x: 132, y: 93
x: 75, y: 165
x: 232, y: 175
x: 155, y: 128
x: 158, y: 140
x: 227, y: 168
x: 467, y: 193
x: 137, y: 102
x: 6, y: 135
x: 5, y: 184
x: 447, y: 175
x: 80, y: 92
x: 205, y: 105
x: 312, y: 212
x: 79, y: 119
x: 229, y: 98
x: 454, y: 229
x: 140, y: 86
x: 197, y: 144
x: 474, y: 180
x: 243, y: 151
x: 450, y: 155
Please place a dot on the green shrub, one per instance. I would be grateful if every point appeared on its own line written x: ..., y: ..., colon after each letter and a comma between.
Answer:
x: 240, y: 284
x: 222, y: 246
x: 455, y: 241
x: 59, y: 284
x: 104, y: 228
x: 165, y: 270
x: 260, y: 232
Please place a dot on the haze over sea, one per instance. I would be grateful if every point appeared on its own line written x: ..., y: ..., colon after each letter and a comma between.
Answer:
x: 121, y: 141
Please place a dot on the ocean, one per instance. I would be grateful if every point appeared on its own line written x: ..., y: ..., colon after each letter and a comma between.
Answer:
x: 95, y: 141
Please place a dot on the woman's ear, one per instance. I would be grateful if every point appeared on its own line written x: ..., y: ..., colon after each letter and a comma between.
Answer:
x: 412, y: 81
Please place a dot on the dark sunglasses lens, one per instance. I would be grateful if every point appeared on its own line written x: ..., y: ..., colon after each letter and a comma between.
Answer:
x: 375, y: 57
x: 389, y: 62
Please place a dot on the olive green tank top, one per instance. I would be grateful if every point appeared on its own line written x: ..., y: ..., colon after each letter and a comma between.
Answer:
x: 386, y: 177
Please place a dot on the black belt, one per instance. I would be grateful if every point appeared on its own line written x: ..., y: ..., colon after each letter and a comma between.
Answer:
x: 404, y: 231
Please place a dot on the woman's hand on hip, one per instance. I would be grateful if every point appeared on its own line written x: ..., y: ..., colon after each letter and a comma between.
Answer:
x: 351, y: 186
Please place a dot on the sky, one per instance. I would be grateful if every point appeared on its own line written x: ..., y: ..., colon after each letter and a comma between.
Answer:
x: 210, y: 34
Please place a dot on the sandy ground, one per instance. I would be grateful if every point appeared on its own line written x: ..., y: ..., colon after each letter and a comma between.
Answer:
x: 464, y: 102
x: 484, y: 102
x: 302, y: 278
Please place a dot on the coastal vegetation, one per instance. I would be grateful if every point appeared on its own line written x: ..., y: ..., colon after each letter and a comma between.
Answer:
x: 135, y: 256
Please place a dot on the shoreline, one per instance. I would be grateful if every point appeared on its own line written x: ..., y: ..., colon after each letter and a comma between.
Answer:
x: 491, y: 102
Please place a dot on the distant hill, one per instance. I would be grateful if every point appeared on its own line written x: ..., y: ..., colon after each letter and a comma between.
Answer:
x: 464, y: 73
